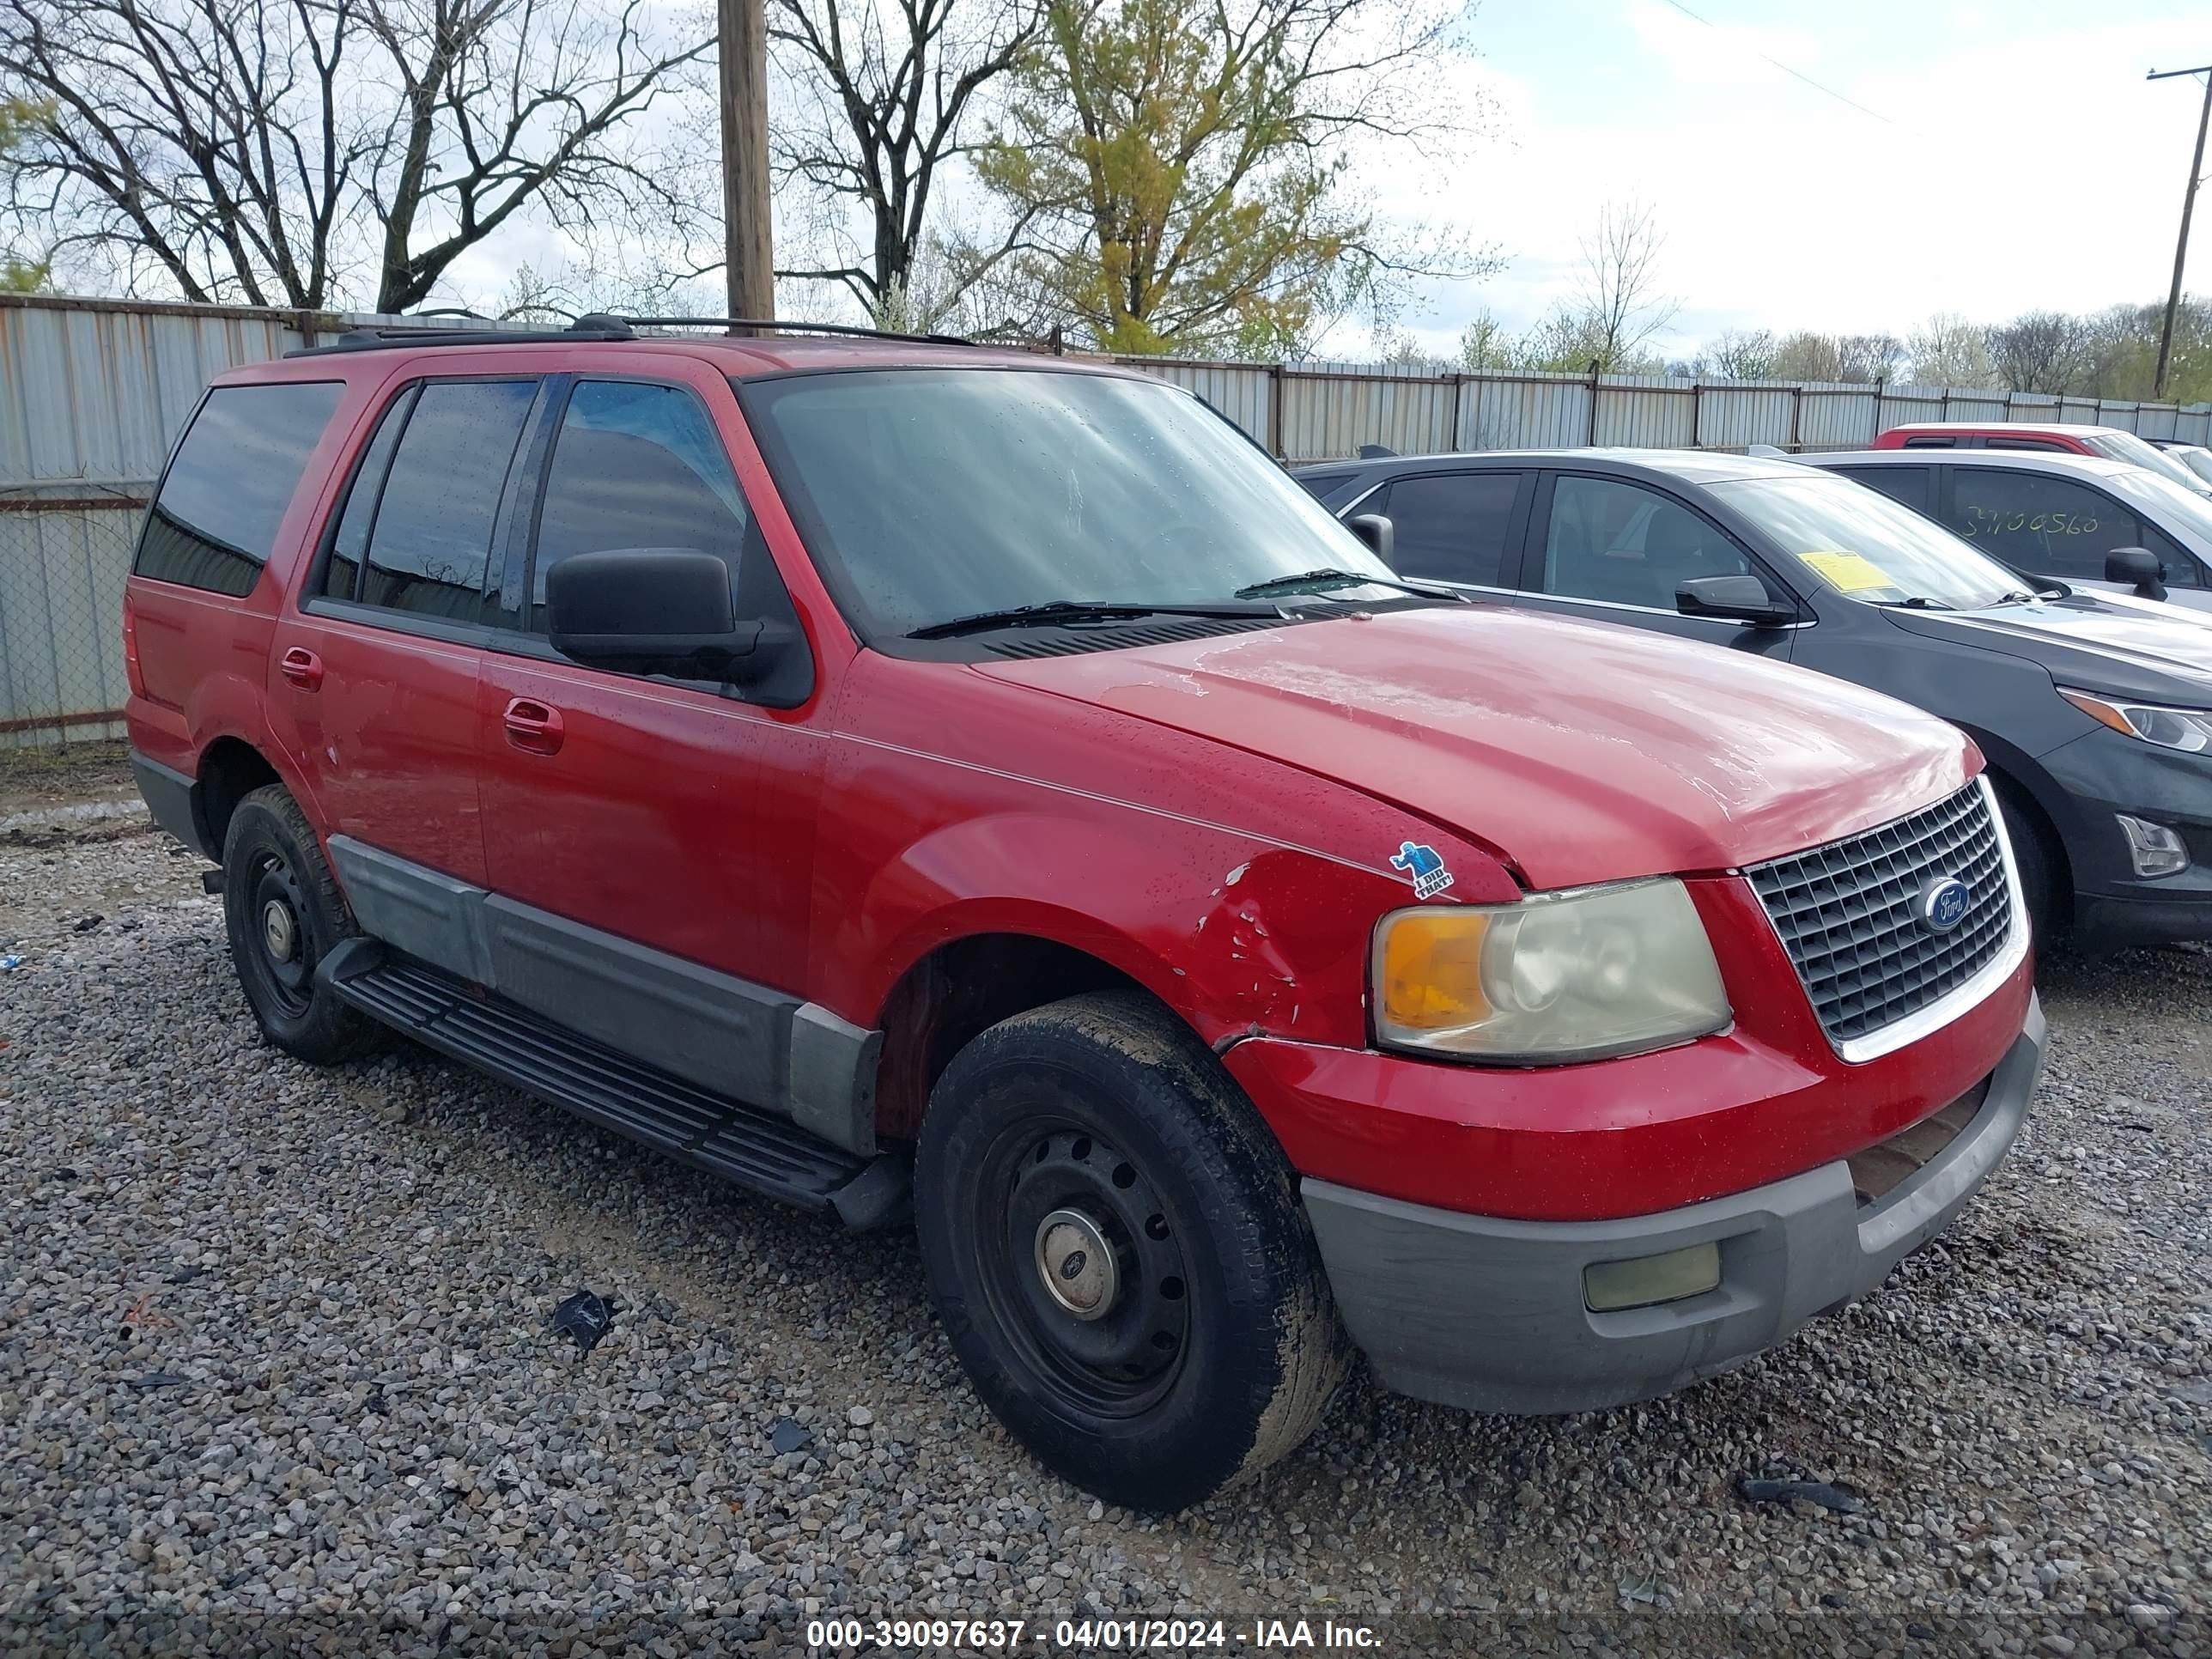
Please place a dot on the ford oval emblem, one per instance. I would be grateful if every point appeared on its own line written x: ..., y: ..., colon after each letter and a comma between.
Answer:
x: 1943, y: 904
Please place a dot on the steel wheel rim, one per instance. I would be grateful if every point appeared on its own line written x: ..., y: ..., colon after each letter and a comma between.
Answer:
x: 1111, y: 1338
x: 276, y: 917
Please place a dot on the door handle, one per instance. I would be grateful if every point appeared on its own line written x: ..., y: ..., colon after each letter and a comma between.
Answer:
x: 534, y: 727
x: 302, y: 667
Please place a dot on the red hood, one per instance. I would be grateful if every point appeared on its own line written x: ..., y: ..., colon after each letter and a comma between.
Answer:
x: 1579, y: 751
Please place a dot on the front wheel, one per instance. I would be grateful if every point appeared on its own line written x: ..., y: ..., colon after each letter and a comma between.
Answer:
x: 2031, y: 858
x: 1116, y: 1248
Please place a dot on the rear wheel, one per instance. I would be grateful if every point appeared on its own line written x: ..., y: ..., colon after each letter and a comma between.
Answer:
x: 284, y: 913
x: 1117, y: 1250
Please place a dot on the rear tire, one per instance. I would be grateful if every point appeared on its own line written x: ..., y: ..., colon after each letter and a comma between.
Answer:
x: 284, y: 913
x: 1117, y: 1250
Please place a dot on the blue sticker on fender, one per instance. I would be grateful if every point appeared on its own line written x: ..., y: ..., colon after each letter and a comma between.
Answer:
x: 1422, y: 864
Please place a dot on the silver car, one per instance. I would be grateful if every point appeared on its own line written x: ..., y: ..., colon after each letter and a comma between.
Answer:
x: 2076, y: 519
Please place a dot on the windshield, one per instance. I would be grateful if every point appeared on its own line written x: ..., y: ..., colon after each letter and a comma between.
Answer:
x: 928, y: 495
x: 2170, y: 506
x: 2197, y: 458
x: 2126, y: 447
x: 1865, y: 546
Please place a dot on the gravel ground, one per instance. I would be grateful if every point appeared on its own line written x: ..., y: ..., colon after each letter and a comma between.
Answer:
x: 274, y: 1376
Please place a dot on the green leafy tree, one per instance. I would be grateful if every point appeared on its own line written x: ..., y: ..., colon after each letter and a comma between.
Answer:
x: 19, y: 118
x: 1178, y: 169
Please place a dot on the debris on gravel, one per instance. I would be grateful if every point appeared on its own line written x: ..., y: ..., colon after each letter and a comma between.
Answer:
x: 277, y: 1374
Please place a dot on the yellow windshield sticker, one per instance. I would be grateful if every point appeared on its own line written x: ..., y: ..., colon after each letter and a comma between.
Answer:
x: 1847, y: 573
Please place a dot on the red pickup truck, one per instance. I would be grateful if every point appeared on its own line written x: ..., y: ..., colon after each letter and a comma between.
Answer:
x: 903, y: 778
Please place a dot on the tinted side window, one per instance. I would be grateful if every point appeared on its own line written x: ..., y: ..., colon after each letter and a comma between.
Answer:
x: 636, y: 467
x: 341, y: 573
x: 1931, y: 443
x: 1626, y: 545
x: 441, y: 498
x: 2043, y: 444
x: 215, y: 522
x: 2051, y: 525
x: 1452, y: 525
x: 1906, y: 485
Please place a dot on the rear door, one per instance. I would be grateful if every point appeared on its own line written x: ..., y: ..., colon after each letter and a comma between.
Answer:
x: 373, y: 688
x: 1462, y: 528
x: 1615, y: 550
x: 1908, y: 486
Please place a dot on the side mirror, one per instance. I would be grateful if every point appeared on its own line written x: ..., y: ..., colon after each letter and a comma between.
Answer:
x: 1732, y: 598
x: 1376, y: 531
x: 651, y: 610
x: 2138, y: 567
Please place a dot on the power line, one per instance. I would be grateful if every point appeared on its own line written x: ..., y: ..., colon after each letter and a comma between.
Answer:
x: 1796, y: 74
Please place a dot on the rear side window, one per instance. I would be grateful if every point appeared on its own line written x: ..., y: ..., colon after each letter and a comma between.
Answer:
x: 1939, y: 442
x: 2042, y: 445
x: 433, y: 530
x: 215, y: 522
x: 636, y: 465
x: 1906, y: 485
x: 1451, y: 526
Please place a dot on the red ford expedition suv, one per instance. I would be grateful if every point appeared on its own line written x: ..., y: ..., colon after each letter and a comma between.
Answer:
x: 891, y: 774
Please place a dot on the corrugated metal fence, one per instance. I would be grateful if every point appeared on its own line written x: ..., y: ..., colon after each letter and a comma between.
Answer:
x: 1324, y: 412
x: 92, y: 393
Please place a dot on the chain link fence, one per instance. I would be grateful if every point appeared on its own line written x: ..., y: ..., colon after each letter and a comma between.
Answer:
x: 64, y: 551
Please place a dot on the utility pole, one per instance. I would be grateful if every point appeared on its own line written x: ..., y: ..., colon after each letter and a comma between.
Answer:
x: 748, y: 250
x: 2188, y: 205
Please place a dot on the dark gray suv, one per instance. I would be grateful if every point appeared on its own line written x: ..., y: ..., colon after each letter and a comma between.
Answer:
x: 2094, y: 710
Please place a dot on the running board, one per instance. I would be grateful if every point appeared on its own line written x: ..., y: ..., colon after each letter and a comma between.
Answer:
x: 740, y: 1143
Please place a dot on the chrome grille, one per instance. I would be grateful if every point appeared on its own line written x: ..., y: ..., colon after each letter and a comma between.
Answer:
x: 1849, y: 914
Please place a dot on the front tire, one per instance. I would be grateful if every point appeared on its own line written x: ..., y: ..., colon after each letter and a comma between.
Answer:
x: 1116, y: 1248
x: 284, y: 913
x: 2031, y: 859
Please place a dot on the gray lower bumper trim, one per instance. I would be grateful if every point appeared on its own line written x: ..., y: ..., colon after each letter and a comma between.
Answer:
x: 168, y: 796
x: 1488, y: 1314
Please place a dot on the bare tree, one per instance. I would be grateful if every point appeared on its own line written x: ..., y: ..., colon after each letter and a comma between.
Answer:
x: 1621, y: 303
x: 1949, y: 350
x: 2043, y: 352
x: 239, y: 150
x: 1865, y: 359
x: 1740, y: 355
x: 881, y: 97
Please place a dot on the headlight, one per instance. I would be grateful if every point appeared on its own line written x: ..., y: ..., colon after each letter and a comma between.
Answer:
x: 2169, y: 728
x: 1585, y: 974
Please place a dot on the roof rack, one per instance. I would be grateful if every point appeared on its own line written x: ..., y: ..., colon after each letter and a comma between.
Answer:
x: 781, y: 326
x: 592, y: 326
x: 596, y: 326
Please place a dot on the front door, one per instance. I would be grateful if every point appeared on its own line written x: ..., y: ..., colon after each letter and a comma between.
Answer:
x: 2050, y: 525
x: 1611, y: 550
x: 675, y: 815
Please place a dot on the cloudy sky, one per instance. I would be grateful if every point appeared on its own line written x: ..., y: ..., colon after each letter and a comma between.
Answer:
x: 2015, y: 157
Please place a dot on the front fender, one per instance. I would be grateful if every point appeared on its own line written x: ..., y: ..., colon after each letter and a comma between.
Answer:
x: 1241, y: 936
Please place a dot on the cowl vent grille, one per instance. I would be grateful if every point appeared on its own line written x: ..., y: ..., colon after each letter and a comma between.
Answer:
x: 1074, y: 642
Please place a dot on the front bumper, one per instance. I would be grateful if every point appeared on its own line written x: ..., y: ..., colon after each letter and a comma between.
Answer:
x: 2102, y: 774
x: 1488, y: 1314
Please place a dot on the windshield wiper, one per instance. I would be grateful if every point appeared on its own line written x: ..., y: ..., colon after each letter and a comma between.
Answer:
x: 1916, y: 602
x: 1050, y: 611
x: 1318, y: 580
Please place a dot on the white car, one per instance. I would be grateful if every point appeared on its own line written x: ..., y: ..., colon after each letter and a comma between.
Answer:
x: 2065, y: 517
x: 2195, y: 457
